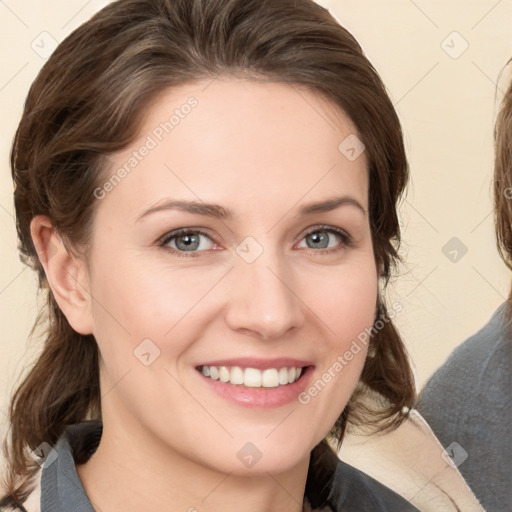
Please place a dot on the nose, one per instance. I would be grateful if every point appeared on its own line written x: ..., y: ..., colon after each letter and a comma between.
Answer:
x: 261, y: 299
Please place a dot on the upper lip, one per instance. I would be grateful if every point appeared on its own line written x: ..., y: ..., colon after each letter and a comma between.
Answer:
x: 259, y: 363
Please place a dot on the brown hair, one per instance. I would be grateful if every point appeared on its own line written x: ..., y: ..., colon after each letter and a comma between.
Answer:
x: 88, y: 101
x: 503, y: 183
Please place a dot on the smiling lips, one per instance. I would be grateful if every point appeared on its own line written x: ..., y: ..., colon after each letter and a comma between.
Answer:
x: 257, y: 382
x: 253, y: 377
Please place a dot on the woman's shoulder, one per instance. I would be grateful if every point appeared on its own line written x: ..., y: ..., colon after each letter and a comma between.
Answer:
x: 76, y: 444
x: 334, y: 485
x: 353, y: 490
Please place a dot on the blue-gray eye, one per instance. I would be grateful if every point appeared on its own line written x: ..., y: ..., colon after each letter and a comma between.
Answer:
x: 322, y: 239
x: 189, y: 242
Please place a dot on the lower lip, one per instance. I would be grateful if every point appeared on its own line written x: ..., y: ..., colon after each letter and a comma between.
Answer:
x: 266, y: 398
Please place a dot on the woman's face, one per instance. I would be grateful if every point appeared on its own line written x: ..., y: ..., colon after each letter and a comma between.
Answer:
x: 275, y: 271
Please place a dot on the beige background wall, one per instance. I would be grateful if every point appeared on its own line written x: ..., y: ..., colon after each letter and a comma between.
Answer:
x: 445, y: 94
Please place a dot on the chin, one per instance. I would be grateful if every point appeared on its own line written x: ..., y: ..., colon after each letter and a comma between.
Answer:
x: 261, y: 458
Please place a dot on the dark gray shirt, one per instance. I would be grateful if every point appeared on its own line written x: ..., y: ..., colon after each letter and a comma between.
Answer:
x: 469, y: 401
x: 62, y: 490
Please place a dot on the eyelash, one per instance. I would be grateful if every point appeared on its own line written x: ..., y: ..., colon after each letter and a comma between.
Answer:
x: 346, y: 240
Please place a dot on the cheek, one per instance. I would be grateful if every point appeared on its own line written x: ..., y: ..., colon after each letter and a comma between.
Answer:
x: 346, y: 307
x: 133, y: 303
x: 345, y: 301
x: 353, y: 314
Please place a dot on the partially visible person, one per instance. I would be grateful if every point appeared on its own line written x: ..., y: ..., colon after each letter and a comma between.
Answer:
x: 468, y: 401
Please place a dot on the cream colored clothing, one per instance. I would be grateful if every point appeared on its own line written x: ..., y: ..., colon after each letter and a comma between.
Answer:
x: 412, y: 462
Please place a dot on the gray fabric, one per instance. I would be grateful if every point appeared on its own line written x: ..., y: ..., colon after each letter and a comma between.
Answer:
x: 469, y: 401
x: 62, y: 490
x: 354, y: 491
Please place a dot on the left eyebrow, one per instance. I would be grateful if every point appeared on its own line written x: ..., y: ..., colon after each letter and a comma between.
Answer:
x: 331, y: 204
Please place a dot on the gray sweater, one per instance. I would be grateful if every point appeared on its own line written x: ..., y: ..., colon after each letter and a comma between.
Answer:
x: 469, y: 401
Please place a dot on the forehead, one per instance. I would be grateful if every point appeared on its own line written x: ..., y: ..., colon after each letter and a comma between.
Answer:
x: 239, y: 141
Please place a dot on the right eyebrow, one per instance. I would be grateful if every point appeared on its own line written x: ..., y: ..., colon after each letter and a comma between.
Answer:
x: 196, y: 207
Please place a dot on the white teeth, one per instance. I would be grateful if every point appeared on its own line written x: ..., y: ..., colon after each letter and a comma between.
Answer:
x: 253, y: 377
x: 224, y: 374
x: 270, y: 378
x: 237, y: 375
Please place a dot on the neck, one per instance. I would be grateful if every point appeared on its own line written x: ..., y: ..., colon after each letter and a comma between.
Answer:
x: 135, y: 472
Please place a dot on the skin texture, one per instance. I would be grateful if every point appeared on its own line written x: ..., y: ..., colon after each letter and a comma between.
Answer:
x: 261, y: 150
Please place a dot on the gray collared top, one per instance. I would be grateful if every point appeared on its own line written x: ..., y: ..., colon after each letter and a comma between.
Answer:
x: 61, y: 488
x: 62, y: 491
